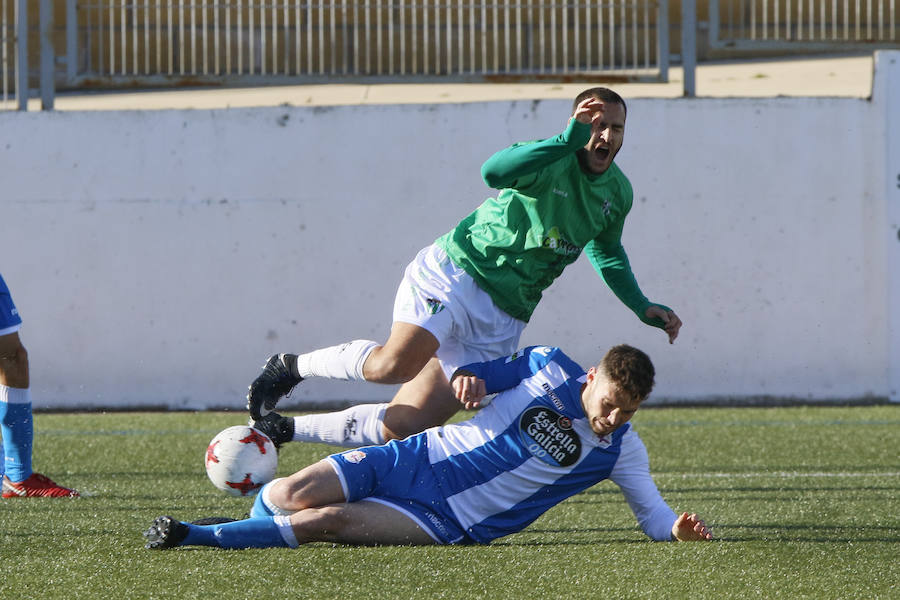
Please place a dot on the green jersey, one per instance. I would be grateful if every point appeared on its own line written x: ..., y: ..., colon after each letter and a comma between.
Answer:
x: 547, y: 211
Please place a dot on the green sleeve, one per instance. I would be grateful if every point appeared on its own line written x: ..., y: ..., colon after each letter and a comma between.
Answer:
x: 503, y: 169
x: 611, y: 263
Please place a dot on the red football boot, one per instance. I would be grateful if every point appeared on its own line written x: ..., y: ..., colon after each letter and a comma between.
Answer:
x: 36, y: 486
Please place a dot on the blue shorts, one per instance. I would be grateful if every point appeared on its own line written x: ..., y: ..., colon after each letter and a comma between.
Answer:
x: 399, y: 475
x: 9, y: 316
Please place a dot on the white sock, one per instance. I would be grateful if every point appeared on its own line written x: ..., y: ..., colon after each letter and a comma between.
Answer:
x: 286, y: 530
x: 266, y: 499
x: 15, y: 395
x: 360, y: 425
x: 344, y: 361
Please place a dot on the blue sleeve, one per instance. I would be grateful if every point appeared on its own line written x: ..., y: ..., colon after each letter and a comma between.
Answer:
x: 507, y: 372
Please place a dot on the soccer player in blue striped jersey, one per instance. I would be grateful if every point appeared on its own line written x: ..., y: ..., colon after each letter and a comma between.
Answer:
x: 552, y: 431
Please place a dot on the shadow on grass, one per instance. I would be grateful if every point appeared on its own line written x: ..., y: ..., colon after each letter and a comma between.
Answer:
x: 602, y: 495
x: 761, y: 533
x: 777, y: 532
x: 594, y: 543
x: 771, y: 472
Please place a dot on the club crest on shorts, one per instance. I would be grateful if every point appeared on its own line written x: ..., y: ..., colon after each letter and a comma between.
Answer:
x: 549, y: 436
x: 434, y: 305
x: 354, y: 456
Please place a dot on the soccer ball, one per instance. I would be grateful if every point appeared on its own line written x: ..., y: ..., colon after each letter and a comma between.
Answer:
x: 240, y: 460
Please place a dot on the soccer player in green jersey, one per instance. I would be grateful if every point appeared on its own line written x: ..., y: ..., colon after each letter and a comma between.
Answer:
x: 468, y: 296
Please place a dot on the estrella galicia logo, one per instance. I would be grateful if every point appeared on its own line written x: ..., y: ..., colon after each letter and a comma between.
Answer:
x: 549, y: 436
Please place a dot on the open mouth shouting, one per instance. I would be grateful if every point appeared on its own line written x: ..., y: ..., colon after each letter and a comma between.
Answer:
x: 596, y: 160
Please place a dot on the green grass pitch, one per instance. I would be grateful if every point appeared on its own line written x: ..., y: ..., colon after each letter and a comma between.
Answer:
x: 804, y: 503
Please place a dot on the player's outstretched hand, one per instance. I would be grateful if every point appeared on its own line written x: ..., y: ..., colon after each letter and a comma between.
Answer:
x: 690, y: 528
x: 468, y: 389
x: 671, y: 321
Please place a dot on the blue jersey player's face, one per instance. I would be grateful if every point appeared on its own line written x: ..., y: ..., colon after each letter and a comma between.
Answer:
x: 606, y: 406
x: 607, y: 135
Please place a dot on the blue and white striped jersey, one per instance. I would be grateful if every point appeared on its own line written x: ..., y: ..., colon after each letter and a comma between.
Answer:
x: 532, y: 447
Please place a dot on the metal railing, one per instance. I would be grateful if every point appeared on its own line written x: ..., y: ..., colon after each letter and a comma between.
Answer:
x: 817, y: 25
x: 13, y: 56
x: 112, y: 43
x: 165, y: 43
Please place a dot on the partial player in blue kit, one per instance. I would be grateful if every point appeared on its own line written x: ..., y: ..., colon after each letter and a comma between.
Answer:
x: 552, y: 431
x: 16, y: 422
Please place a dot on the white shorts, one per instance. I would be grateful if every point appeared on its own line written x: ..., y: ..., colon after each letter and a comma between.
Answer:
x: 440, y: 297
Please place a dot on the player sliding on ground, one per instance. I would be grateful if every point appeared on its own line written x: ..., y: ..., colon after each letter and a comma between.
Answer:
x: 467, y: 297
x: 552, y: 431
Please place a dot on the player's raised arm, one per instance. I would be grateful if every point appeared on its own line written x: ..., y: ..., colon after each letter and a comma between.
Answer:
x: 507, y: 167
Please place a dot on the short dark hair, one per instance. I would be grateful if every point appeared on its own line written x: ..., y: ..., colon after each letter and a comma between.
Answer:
x: 630, y: 370
x: 600, y: 93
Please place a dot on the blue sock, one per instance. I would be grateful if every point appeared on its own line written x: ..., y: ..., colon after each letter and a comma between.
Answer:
x: 17, y: 428
x: 260, y: 532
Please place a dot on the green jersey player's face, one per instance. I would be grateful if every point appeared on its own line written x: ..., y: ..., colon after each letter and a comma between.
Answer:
x: 607, y: 135
x: 606, y: 406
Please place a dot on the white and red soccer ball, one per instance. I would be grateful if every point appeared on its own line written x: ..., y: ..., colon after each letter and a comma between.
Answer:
x: 240, y: 460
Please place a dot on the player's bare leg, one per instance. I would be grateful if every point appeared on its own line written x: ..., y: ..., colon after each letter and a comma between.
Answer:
x: 13, y: 362
x: 313, y: 486
x: 350, y: 523
x: 323, y: 515
x: 425, y: 401
x: 404, y: 354
x: 364, y: 523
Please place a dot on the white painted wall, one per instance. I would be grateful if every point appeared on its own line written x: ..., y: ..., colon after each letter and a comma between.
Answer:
x: 887, y: 93
x: 158, y: 258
